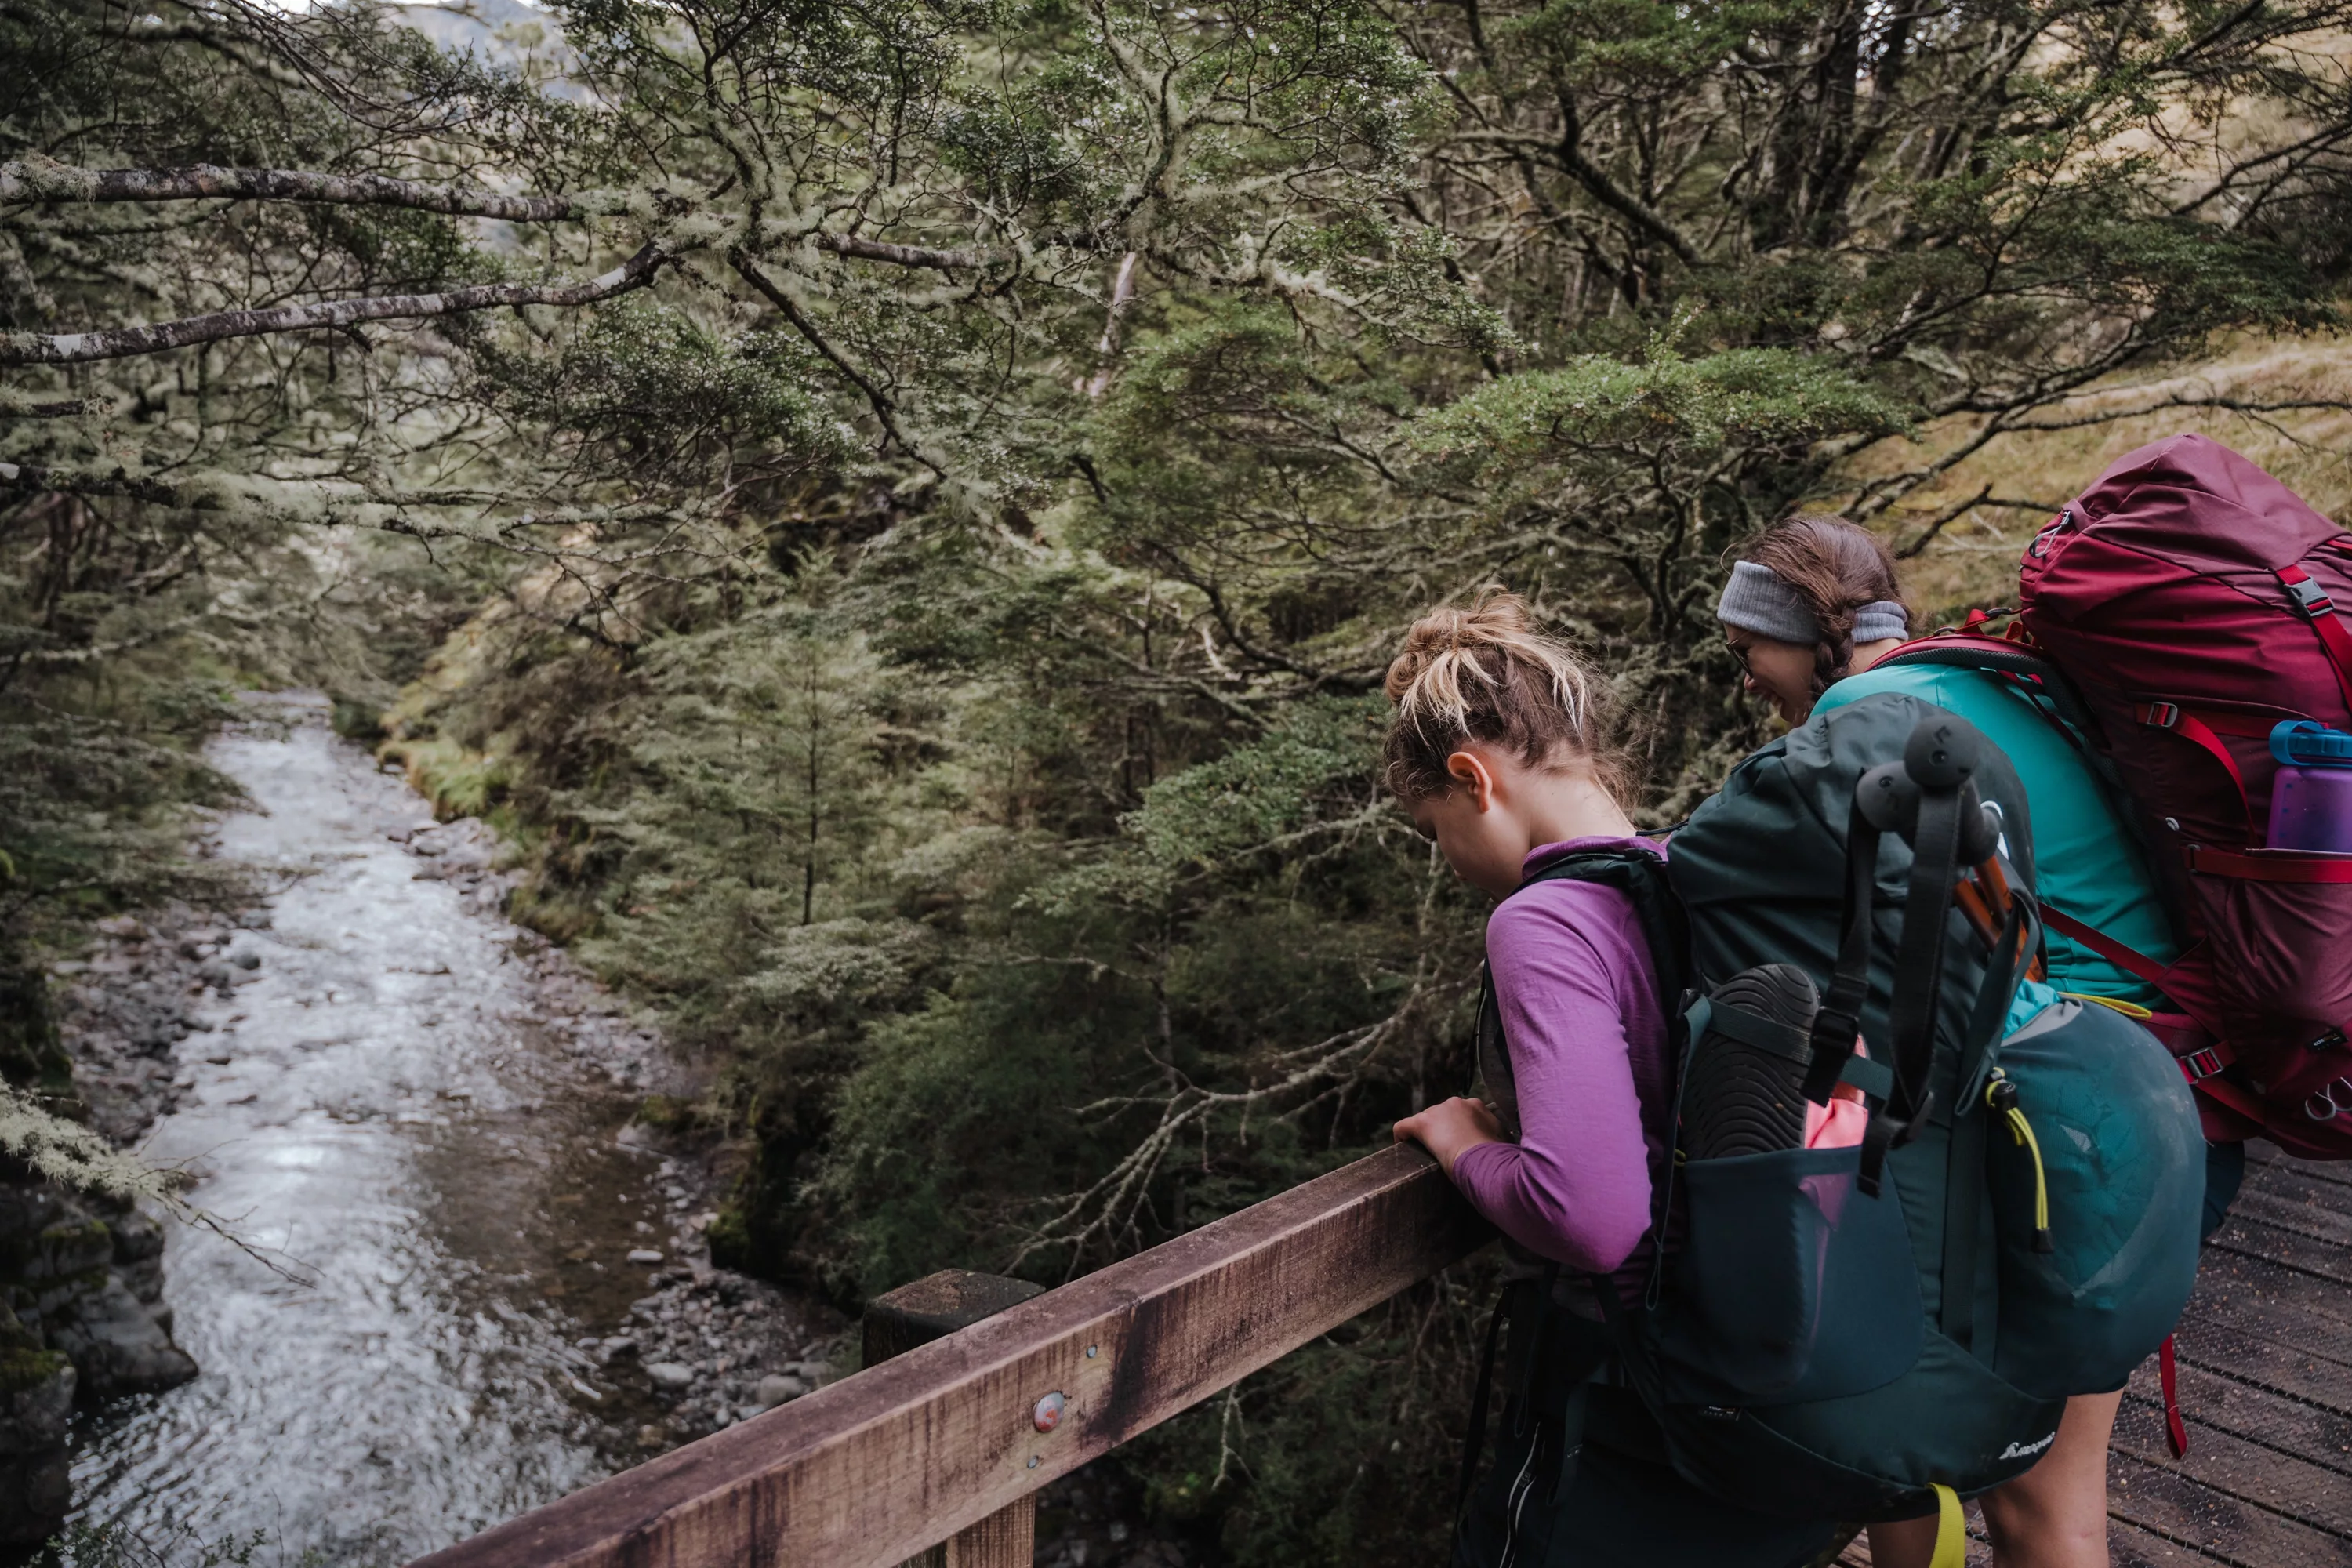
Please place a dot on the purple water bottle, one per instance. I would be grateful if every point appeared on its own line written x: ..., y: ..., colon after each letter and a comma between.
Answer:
x: 2310, y: 798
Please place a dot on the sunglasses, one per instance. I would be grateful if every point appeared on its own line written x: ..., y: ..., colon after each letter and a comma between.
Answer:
x: 1741, y: 652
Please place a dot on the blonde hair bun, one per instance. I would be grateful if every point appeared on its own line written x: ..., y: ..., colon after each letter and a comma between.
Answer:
x: 1485, y: 673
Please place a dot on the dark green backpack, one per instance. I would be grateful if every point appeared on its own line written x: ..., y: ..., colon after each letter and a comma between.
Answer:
x: 1874, y: 1331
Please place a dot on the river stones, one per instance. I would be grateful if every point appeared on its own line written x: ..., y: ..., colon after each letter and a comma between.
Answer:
x: 777, y: 1387
x: 669, y: 1373
x: 644, y: 1255
x: 117, y: 1342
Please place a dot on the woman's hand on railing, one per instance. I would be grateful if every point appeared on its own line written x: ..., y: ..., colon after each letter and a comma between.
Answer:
x: 1449, y: 1126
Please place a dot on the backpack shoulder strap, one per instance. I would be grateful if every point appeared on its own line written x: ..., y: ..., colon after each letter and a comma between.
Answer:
x: 1640, y: 876
x: 2019, y: 664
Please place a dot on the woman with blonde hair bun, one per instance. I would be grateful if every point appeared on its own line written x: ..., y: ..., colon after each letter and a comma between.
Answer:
x: 1507, y: 747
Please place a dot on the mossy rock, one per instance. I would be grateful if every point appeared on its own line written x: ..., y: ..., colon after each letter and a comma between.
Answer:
x: 31, y: 1056
x: 668, y: 1113
x: 29, y: 1366
x: 68, y: 1250
x: 356, y: 720
x: 24, y: 1363
x: 458, y: 782
x: 729, y: 1238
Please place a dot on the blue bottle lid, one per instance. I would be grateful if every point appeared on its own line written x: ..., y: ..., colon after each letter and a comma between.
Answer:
x: 2308, y: 743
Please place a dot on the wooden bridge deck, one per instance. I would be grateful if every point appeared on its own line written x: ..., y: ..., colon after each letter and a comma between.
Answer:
x: 2265, y: 1354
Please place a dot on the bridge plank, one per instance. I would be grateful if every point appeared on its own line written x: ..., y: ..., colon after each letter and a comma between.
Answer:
x: 2265, y: 1156
x: 868, y: 1471
x: 2303, y: 1208
x: 2129, y: 1546
x: 2250, y: 1236
x: 2167, y: 1503
x: 2265, y: 1298
x: 2282, y: 1368
x: 2251, y: 1472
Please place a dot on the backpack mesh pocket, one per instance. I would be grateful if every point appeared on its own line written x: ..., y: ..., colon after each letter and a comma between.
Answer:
x: 1791, y: 1284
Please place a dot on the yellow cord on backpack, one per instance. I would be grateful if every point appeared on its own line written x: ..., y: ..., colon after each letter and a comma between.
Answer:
x: 2132, y: 1010
x: 2001, y: 1095
x: 1951, y: 1530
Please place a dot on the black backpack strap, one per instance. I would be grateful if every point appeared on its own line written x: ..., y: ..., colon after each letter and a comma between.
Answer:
x: 1839, y: 1021
x: 1964, y: 1178
x: 1511, y: 1305
x: 1640, y: 876
x: 1930, y: 798
x: 1920, y: 961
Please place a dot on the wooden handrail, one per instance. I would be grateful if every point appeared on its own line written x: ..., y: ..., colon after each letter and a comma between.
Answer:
x: 867, y: 1473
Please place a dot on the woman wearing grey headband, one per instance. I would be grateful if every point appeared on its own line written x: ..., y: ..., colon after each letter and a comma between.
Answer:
x: 1811, y: 601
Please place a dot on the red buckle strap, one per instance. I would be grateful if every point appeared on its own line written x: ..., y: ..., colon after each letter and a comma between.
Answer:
x: 2130, y: 960
x: 2231, y: 1098
x: 2176, y: 1430
x: 2245, y: 726
x: 2189, y: 727
x: 2308, y: 595
x: 2209, y: 1061
x: 2268, y: 865
x: 2321, y: 612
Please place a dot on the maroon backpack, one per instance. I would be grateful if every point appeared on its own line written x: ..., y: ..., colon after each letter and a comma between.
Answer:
x: 2191, y: 600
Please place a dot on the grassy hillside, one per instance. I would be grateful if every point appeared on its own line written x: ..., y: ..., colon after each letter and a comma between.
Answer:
x: 1973, y: 559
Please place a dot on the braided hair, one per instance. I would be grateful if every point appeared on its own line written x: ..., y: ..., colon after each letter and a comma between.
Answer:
x: 1836, y: 568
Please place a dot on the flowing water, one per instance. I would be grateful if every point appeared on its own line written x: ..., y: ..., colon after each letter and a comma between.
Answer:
x: 426, y: 1157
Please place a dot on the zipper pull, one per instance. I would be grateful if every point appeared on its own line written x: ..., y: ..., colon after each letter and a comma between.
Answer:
x: 2001, y: 1096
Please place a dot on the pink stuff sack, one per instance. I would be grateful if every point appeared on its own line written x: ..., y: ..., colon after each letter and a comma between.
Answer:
x: 1841, y: 1123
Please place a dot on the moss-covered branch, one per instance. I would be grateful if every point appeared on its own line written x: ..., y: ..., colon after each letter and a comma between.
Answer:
x: 123, y: 343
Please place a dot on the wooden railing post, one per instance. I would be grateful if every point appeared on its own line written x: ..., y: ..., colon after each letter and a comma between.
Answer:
x: 929, y: 1309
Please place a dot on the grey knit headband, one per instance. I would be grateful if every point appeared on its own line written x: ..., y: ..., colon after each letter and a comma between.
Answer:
x: 1757, y: 600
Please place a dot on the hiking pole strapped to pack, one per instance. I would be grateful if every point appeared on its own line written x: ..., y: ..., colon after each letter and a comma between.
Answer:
x: 1930, y: 801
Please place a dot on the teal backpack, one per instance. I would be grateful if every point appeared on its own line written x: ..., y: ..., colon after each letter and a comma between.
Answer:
x: 1876, y: 1331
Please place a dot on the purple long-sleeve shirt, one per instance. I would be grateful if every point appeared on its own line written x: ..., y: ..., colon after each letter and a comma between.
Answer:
x: 1587, y: 1038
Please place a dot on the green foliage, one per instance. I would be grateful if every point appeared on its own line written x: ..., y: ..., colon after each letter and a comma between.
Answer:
x: 647, y: 392
x: 1257, y: 796
x: 1349, y: 1440
x: 1685, y: 414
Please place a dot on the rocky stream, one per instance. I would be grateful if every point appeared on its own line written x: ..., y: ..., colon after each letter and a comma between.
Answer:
x: 465, y: 1281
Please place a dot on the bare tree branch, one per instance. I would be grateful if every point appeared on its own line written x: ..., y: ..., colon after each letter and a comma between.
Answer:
x: 33, y: 476
x: 886, y: 408
x: 2251, y: 406
x: 850, y: 245
x: 38, y: 179
x: 43, y: 180
x: 1596, y: 181
x: 1943, y: 519
x: 121, y: 342
x: 17, y: 404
